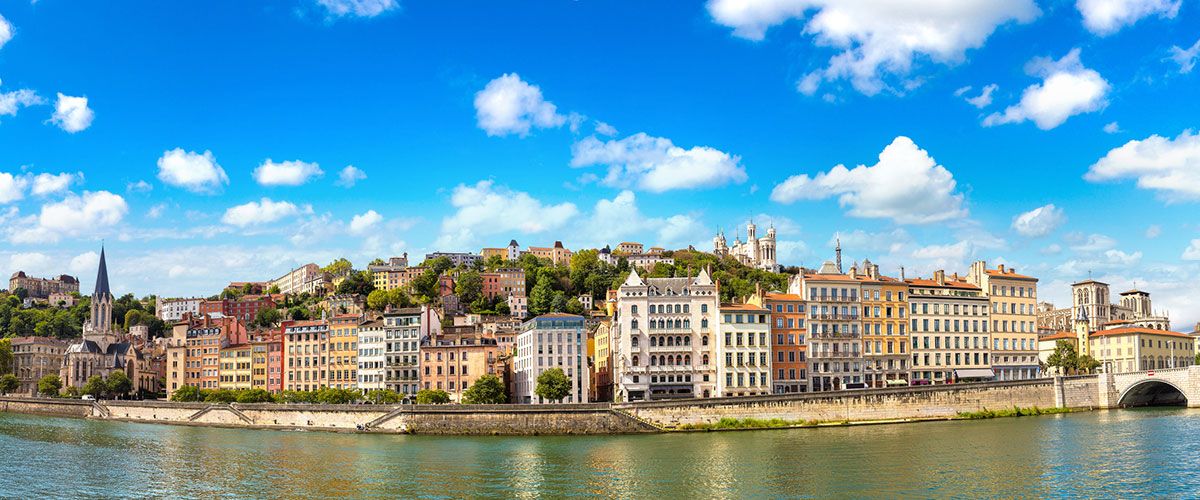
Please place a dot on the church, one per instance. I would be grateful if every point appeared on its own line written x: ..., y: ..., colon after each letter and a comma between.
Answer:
x: 755, y: 252
x: 104, y: 350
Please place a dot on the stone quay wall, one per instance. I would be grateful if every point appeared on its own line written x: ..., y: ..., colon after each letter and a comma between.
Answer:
x: 893, y: 404
x: 870, y: 405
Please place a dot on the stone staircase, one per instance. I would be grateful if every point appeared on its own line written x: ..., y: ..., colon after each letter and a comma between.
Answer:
x: 384, y: 418
x: 642, y: 422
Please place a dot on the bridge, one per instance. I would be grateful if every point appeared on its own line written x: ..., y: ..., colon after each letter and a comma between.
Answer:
x: 1169, y: 386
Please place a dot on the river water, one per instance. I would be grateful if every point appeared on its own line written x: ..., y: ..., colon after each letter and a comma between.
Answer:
x: 1123, y: 453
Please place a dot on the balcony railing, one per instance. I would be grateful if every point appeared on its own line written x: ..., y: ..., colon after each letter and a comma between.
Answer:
x: 833, y: 298
x: 832, y: 335
x: 835, y: 317
x: 833, y: 355
x: 670, y: 348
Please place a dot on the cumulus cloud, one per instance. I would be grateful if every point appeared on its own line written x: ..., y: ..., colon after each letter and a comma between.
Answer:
x: 1169, y: 166
x: 605, y: 129
x: 84, y: 262
x: 287, y: 173
x: 1093, y: 243
x: 1186, y: 58
x: 93, y: 213
x: 1112, y: 128
x: 620, y: 218
x: 139, y: 187
x: 1105, y: 17
x: 358, y: 8
x: 1192, y: 252
x: 1040, y: 221
x: 260, y: 212
x: 361, y: 223
x: 12, y: 187
x: 655, y: 164
x: 6, y: 31
x: 485, y: 209
x: 195, y: 172
x: 349, y: 176
x: 13, y: 101
x: 72, y: 113
x: 509, y: 105
x: 1153, y: 231
x: 906, y: 185
x: 877, y: 38
x: 46, y: 184
x: 983, y: 100
x: 1067, y: 89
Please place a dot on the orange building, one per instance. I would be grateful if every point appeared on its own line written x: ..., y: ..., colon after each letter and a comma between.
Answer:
x: 789, y: 364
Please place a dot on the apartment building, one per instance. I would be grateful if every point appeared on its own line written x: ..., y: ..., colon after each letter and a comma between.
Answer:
x: 949, y: 328
x: 743, y: 351
x: 1013, y: 312
x: 835, y: 358
x: 550, y: 341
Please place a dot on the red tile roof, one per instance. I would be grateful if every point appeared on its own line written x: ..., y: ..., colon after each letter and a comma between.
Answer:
x: 1141, y: 331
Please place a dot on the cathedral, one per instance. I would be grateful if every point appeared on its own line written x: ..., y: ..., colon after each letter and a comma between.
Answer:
x: 754, y: 252
x: 1090, y: 302
x: 102, y: 349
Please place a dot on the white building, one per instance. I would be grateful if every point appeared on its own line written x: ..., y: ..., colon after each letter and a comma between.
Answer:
x: 456, y: 258
x: 551, y: 341
x: 306, y: 278
x: 371, y: 357
x: 754, y: 252
x: 663, y: 338
x: 402, y: 344
x: 518, y: 306
x: 647, y: 261
x: 744, y: 351
x: 172, y: 310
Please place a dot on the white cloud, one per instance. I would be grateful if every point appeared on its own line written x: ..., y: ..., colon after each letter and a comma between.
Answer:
x: 1040, y: 221
x: 877, y: 38
x: 254, y: 213
x: 1093, y: 243
x: 11, y: 102
x: 156, y: 211
x: 1120, y: 258
x: 1186, y: 58
x: 12, y: 187
x: 865, y: 242
x: 1052, y: 249
x: 484, y: 209
x: 84, y: 262
x: 906, y: 185
x: 620, y: 218
x: 1169, y: 166
x: 509, y: 105
x: 198, y: 173
x: 1153, y: 231
x: 1192, y: 252
x: 605, y: 129
x: 1112, y: 128
x: 1067, y: 89
x: 358, y: 8
x: 361, y: 223
x: 1105, y: 17
x: 93, y: 213
x: 287, y: 173
x: 45, y: 184
x: 983, y: 100
x: 6, y: 31
x: 349, y: 176
x: 72, y: 113
x: 139, y: 187
x: 30, y: 262
x: 655, y: 164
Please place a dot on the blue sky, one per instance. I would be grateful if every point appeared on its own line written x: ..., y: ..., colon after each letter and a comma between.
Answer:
x: 597, y: 122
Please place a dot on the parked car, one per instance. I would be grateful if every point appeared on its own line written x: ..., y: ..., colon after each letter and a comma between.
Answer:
x: 88, y: 397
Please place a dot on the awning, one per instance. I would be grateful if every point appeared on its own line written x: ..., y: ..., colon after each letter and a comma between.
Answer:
x: 896, y: 382
x: 974, y: 373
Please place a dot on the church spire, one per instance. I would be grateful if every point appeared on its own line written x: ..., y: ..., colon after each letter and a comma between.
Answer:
x: 101, y: 278
x: 838, y: 249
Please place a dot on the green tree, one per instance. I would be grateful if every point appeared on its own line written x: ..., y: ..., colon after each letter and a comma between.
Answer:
x: 266, y: 317
x: 383, y: 396
x: 339, y: 267
x: 298, y: 313
x: 469, y: 287
x: 357, y: 282
x: 50, y: 385
x: 21, y: 293
x: 574, y: 306
x: 247, y: 396
x: 432, y: 397
x: 248, y: 289
x: 70, y: 392
x: 118, y: 383
x: 425, y: 286
x: 186, y: 394
x: 553, y: 385
x: 95, y: 386
x: 220, y: 396
x: 487, y: 390
x: 273, y: 290
x: 8, y: 383
x: 6, y: 356
x: 439, y: 265
x: 541, y: 298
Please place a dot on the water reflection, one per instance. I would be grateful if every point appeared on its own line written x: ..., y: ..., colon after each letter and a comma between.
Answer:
x: 1101, y: 454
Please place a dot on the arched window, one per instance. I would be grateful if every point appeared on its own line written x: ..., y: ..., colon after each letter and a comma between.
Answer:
x: 678, y: 308
x: 653, y: 361
x: 703, y: 322
x: 687, y: 341
x: 633, y: 324
x: 678, y: 340
x: 635, y: 360
x: 703, y: 308
x: 687, y: 359
x: 685, y: 308
x: 671, y: 359
x: 670, y: 341
x: 704, y: 340
x: 634, y: 341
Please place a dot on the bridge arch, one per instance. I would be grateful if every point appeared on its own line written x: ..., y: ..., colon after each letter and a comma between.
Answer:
x: 1152, y: 392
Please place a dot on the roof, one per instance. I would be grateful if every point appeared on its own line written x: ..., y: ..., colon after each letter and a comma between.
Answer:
x: 1058, y: 336
x: 1008, y: 274
x: 1084, y: 282
x: 1135, y: 292
x: 311, y: 322
x: 949, y: 284
x: 1139, y: 331
x: 743, y: 307
x: 782, y: 296
x: 102, y: 277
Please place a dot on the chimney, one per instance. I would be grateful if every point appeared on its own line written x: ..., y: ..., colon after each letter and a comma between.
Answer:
x: 955, y: 276
x: 901, y: 273
x: 1012, y: 270
x: 940, y: 277
x: 1001, y: 268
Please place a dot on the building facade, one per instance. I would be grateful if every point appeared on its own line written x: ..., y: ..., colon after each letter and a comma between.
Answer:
x: 306, y: 355
x: 454, y: 359
x: 456, y: 258
x: 648, y: 312
x: 402, y: 333
x: 949, y: 329
x: 172, y: 310
x: 835, y: 359
x: 41, y: 288
x: 885, y: 327
x: 743, y: 351
x: 1013, y: 315
x: 34, y: 358
x: 759, y: 253
x: 343, y: 351
x: 1091, y: 299
x: 372, y: 357
x: 244, y: 309
x: 552, y: 341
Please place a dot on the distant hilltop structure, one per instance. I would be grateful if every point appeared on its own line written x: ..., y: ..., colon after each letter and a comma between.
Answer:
x: 754, y: 252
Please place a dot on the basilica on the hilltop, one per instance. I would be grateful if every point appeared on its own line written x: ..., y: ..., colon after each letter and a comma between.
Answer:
x: 754, y: 252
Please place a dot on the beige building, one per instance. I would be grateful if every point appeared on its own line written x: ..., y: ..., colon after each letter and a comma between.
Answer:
x: 1013, y: 301
x: 305, y: 355
x: 550, y: 341
x: 884, y: 327
x: 558, y: 254
x: 835, y: 359
x: 307, y: 278
x: 1124, y: 349
x: 949, y: 329
x: 743, y: 351
x: 41, y: 288
x: 628, y: 248
x: 648, y: 313
x: 34, y: 358
x: 1091, y: 300
x: 755, y: 252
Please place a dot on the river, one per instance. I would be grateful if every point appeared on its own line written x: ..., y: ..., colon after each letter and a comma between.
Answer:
x: 1124, y: 453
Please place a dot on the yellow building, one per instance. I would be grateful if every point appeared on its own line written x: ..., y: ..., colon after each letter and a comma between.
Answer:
x: 1125, y: 349
x: 1013, y: 301
x: 490, y: 252
x: 885, y: 327
x: 235, y: 370
x: 258, y: 365
x: 343, y: 351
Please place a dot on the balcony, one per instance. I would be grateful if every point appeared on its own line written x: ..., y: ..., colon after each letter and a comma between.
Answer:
x: 818, y: 355
x: 834, y: 317
x: 671, y: 348
x: 831, y: 335
x: 833, y: 298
